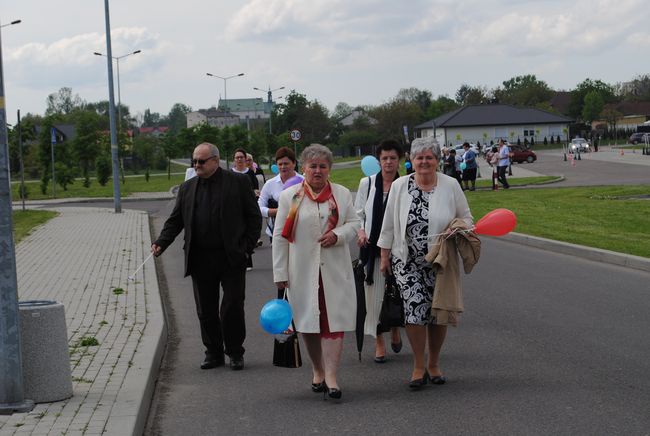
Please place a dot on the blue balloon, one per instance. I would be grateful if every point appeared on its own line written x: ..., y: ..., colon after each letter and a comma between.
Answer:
x: 275, y: 316
x: 275, y: 169
x: 370, y: 165
x: 407, y: 165
x: 463, y: 166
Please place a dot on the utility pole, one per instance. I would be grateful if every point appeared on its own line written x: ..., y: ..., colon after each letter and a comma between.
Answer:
x: 22, y: 165
x: 111, y: 113
x: 12, y: 393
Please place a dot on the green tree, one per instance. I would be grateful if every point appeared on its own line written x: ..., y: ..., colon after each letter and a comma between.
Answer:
x: 103, y: 166
x: 86, y: 144
x: 440, y: 106
x: 467, y: 95
x: 593, y: 106
x: 177, y: 118
x: 524, y: 90
x: 585, y: 87
x: 63, y: 102
x: 341, y: 110
x: 151, y: 119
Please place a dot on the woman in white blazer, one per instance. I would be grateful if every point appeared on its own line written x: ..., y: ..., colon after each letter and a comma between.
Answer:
x: 420, y: 206
x: 370, y: 203
x: 314, y: 224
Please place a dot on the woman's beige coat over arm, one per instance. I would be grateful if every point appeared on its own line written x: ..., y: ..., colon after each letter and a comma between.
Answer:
x: 300, y: 262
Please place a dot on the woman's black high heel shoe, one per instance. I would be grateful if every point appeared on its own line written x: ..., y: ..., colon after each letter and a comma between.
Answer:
x: 419, y: 382
x: 333, y: 393
x: 318, y: 387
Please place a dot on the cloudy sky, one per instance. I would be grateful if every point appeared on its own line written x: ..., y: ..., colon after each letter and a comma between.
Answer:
x: 359, y: 52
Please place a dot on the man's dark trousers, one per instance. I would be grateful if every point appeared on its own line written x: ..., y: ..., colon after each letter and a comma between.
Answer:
x: 225, y: 325
x: 501, y: 173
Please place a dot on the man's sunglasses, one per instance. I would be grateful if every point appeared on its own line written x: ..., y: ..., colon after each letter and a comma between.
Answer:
x: 201, y: 161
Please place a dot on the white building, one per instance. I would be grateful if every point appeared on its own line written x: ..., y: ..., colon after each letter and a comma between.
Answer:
x: 490, y: 122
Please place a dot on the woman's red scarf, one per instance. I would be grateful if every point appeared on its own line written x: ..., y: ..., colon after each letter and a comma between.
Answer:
x: 288, y: 231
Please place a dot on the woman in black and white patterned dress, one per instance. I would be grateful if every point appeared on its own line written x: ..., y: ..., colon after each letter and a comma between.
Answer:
x: 420, y: 206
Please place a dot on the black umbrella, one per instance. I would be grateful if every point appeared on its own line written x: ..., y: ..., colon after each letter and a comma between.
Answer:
x: 359, y: 277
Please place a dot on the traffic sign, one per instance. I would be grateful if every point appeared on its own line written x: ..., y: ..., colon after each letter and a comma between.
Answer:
x: 295, y: 135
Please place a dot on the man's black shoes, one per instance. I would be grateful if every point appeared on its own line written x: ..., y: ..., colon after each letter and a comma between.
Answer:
x: 237, y: 363
x: 212, y: 362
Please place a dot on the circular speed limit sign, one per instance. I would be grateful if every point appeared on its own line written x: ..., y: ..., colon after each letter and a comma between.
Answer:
x: 295, y: 135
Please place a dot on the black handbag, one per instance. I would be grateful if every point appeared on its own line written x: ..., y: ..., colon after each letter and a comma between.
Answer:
x: 286, y: 349
x: 392, y: 308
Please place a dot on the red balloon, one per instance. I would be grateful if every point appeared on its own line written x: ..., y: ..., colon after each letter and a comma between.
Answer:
x: 496, y: 223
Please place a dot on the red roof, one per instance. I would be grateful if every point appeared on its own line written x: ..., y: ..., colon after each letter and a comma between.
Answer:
x: 161, y: 129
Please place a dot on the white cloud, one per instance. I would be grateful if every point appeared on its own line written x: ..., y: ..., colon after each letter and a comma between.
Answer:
x: 71, y: 61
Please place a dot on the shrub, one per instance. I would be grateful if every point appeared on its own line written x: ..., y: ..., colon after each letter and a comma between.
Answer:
x: 103, y: 167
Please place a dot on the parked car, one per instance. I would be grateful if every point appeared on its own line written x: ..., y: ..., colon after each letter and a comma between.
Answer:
x: 520, y: 154
x: 639, y: 138
x: 580, y: 145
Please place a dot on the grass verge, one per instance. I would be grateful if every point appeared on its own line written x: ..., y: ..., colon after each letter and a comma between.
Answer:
x: 615, y: 218
x: 25, y: 221
x: 156, y: 183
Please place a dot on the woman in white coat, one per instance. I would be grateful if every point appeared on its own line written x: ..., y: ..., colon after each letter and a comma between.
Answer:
x: 420, y: 206
x: 370, y: 203
x: 314, y: 223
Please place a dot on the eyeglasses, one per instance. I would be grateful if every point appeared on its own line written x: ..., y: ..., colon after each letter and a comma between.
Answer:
x: 240, y: 157
x: 201, y: 161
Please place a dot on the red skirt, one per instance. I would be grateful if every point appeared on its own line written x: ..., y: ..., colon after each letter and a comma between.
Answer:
x: 324, y: 325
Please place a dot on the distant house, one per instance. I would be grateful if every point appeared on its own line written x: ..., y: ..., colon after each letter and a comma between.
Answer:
x: 632, y: 114
x: 350, y: 118
x: 62, y: 132
x: 251, y: 108
x: 212, y: 117
x: 490, y: 122
x: 153, y: 131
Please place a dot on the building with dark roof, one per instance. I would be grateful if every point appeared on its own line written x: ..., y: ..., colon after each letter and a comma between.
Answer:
x: 485, y: 123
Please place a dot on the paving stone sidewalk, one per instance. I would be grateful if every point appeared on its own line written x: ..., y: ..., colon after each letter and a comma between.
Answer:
x: 80, y: 258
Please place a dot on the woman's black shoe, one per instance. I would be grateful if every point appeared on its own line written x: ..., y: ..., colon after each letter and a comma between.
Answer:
x: 396, y: 347
x: 334, y: 393
x: 419, y: 382
x: 318, y: 387
x: 438, y: 380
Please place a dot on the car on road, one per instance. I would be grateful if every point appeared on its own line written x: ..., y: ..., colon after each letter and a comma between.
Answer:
x: 639, y: 138
x: 521, y: 153
x: 581, y: 145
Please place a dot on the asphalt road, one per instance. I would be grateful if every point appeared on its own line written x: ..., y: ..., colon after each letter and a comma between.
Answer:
x: 548, y: 344
x: 589, y: 171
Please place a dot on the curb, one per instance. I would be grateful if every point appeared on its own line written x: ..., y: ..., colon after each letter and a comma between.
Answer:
x: 129, y: 414
x: 54, y: 202
x: 595, y: 254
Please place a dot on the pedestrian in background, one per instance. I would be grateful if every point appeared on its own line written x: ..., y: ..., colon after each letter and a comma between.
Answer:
x: 315, y: 222
x: 502, y: 165
x: 370, y: 203
x: 221, y: 219
x: 469, y: 173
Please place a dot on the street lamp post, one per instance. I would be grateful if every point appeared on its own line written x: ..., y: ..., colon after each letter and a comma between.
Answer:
x: 119, y: 95
x: 111, y: 113
x: 269, y: 94
x: 12, y: 392
x: 225, y: 91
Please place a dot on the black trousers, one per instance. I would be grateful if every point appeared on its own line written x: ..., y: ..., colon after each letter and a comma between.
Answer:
x: 222, y: 325
x: 501, y: 175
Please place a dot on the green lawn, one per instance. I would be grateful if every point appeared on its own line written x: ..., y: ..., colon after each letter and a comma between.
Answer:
x: 602, y: 217
x: 25, y: 221
x: 350, y: 177
x: 156, y: 183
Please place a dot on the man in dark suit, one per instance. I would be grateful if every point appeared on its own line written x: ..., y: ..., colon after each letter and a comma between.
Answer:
x: 222, y: 222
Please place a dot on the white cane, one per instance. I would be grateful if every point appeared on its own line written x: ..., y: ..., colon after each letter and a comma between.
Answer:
x: 132, y: 277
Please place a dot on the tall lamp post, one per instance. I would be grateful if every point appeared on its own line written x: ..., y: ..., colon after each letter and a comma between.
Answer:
x: 12, y: 392
x: 269, y: 94
x: 225, y: 80
x: 117, y: 202
x: 119, y: 95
